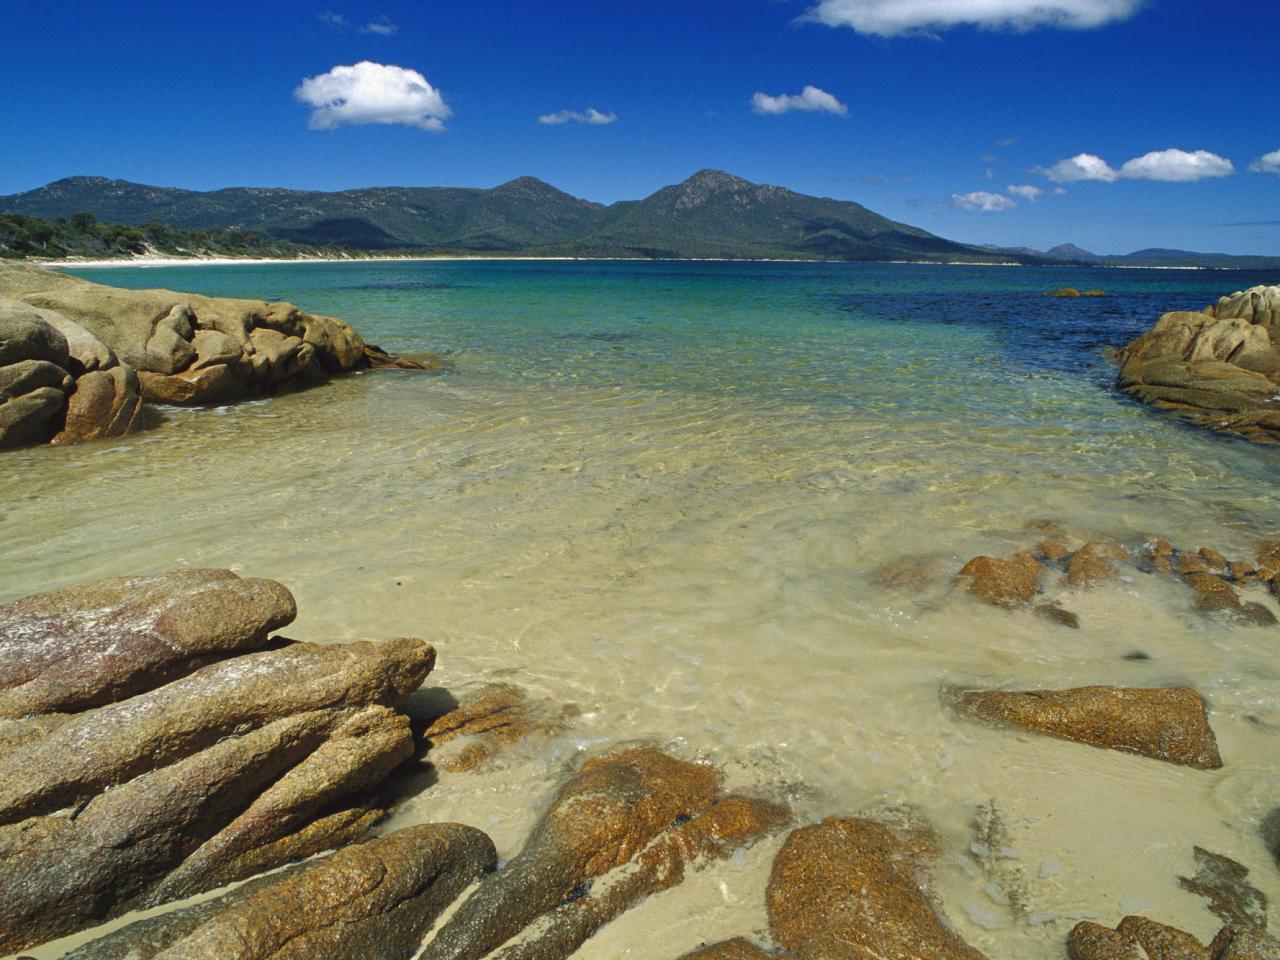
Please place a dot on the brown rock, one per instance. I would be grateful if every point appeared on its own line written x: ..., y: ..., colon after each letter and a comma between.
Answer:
x: 1166, y: 723
x: 1234, y: 943
x: 726, y: 826
x: 1269, y: 554
x: 32, y: 417
x: 737, y: 949
x: 292, y: 818
x: 470, y: 734
x: 1162, y: 942
x: 213, y: 347
x: 374, y: 900
x: 375, y: 358
x: 1055, y: 614
x: 1052, y: 550
x: 1215, y: 595
x: 1091, y: 565
x: 1158, y: 553
x: 115, y: 743
x: 910, y: 573
x: 1216, y: 368
x: 1092, y: 941
x: 602, y: 817
x: 207, y: 385
x: 1224, y: 883
x: 105, y: 403
x: 846, y: 889
x: 1046, y: 527
x: 277, y: 357
x: 1216, y: 561
x: 26, y: 335
x: 22, y: 377
x: 94, y: 643
x: 64, y: 873
x: 1001, y: 583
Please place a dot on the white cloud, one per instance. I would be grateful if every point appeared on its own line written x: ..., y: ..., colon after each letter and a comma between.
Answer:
x: 891, y: 18
x: 982, y: 201
x: 1177, y: 166
x: 382, y: 26
x: 1026, y: 192
x: 368, y: 92
x: 810, y: 100
x: 1168, y: 166
x: 1269, y: 163
x: 1083, y: 166
x: 335, y: 20
x: 592, y: 116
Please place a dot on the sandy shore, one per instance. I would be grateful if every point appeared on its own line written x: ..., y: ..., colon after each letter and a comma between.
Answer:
x: 251, y: 261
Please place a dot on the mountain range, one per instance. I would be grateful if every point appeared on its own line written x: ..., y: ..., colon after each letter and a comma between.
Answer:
x: 1150, y: 257
x: 712, y: 214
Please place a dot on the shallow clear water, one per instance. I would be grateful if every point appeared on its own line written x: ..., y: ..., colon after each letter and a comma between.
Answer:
x: 660, y: 491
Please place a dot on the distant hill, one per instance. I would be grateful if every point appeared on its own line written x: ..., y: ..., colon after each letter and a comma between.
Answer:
x: 1157, y: 257
x: 712, y: 214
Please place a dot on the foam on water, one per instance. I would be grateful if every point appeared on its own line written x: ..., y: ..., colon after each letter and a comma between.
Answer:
x: 660, y: 491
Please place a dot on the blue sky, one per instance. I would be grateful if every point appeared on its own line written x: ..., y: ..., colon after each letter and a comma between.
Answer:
x: 927, y: 111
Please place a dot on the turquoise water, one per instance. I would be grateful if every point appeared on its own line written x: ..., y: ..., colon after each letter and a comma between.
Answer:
x: 662, y: 491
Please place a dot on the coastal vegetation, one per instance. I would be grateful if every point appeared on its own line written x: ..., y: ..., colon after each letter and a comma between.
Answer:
x: 82, y: 236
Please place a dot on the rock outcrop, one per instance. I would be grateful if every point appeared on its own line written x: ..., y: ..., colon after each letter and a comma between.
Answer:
x: 1166, y: 723
x: 373, y: 899
x: 160, y: 743
x: 127, y: 635
x: 639, y: 810
x: 121, y: 347
x: 847, y: 889
x: 1218, y: 368
x: 59, y: 383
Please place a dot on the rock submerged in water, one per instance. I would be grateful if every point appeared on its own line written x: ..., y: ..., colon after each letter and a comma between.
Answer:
x: 637, y: 809
x: 1164, y: 723
x: 160, y: 743
x: 1218, y: 368
x: 1222, y: 882
x: 121, y: 347
x: 470, y: 734
x: 736, y: 949
x: 847, y: 889
x: 372, y: 899
x: 999, y: 582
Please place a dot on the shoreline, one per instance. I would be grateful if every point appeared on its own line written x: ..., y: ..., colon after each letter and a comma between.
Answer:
x: 161, y: 262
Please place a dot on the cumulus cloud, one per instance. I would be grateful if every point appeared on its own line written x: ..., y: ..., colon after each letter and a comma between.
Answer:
x: 891, y: 18
x: 368, y: 92
x: 1083, y: 166
x: 382, y: 27
x: 810, y: 100
x: 592, y: 116
x: 1026, y: 192
x: 1269, y: 163
x: 1177, y: 166
x: 1169, y: 166
x: 982, y: 201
